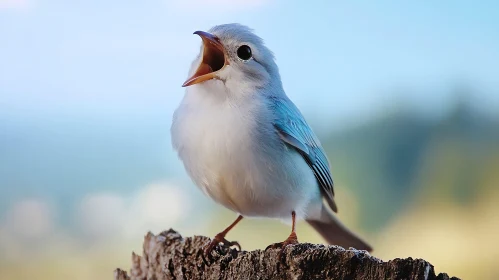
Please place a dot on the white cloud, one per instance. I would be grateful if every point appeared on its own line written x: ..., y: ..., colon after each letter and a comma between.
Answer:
x: 102, y: 217
x: 153, y: 208
x: 157, y: 207
x: 30, y: 219
x: 101, y: 214
x: 15, y: 4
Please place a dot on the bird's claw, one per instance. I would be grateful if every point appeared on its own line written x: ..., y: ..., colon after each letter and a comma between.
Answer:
x: 291, y: 240
x: 219, y: 238
x: 281, y: 245
x: 278, y: 245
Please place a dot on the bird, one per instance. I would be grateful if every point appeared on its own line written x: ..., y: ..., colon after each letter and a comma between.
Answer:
x: 247, y: 146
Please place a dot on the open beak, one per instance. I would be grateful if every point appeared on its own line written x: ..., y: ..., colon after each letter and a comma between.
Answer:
x: 214, y: 59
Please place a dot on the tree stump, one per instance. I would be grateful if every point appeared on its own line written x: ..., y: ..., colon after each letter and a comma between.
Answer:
x: 170, y: 256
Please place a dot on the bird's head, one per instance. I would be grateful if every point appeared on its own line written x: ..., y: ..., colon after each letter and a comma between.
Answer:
x: 233, y: 56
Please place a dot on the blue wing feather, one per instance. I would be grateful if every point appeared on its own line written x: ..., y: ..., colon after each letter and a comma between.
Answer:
x: 294, y: 131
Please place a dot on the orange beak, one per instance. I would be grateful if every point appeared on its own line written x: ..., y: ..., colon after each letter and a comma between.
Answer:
x: 214, y: 59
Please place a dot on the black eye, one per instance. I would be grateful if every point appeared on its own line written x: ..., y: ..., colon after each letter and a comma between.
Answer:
x: 244, y: 52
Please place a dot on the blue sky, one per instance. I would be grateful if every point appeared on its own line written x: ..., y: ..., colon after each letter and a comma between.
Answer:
x: 109, y: 59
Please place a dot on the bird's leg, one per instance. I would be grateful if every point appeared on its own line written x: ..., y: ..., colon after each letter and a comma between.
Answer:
x: 220, y: 238
x: 292, y: 238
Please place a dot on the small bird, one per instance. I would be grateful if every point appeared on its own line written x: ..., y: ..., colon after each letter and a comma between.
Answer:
x: 247, y: 146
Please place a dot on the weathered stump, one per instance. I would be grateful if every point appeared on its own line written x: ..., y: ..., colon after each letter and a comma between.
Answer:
x: 170, y: 256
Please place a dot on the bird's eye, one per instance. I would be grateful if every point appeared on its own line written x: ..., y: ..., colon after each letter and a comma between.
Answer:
x: 244, y: 52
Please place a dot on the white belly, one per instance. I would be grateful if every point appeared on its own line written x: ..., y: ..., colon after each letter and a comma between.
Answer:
x: 240, y: 162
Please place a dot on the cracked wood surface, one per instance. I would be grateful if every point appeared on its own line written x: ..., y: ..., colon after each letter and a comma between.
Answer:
x: 170, y: 256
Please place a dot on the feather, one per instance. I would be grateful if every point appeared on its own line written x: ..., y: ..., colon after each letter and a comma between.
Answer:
x: 294, y: 131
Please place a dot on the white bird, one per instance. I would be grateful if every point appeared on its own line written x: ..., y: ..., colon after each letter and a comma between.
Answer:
x: 247, y: 146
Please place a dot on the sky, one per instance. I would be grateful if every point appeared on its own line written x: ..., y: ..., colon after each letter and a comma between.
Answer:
x: 84, y: 59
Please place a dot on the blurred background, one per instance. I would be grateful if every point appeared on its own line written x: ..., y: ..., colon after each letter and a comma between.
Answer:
x: 404, y: 97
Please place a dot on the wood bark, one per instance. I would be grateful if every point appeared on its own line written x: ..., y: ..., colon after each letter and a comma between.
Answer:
x: 170, y: 256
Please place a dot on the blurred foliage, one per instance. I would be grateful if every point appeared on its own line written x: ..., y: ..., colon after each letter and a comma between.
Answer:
x: 390, y: 160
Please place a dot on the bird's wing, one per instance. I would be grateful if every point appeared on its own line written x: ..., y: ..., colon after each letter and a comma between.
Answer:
x: 294, y: 131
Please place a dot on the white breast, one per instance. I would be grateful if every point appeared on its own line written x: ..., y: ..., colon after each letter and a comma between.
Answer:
x: 231, y: 151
